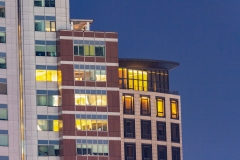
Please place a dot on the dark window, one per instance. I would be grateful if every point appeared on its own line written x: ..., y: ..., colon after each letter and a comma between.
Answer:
x: 48, y: 150
x: 2, y: 11
x: 3, y: 88
x: 128, y: 104
x: 162, y: 153
x: 99, y: 51
x: 161, y: 131
x: 146, y: 152
x: 129, y: 128
x: 130, y: 151
x: 146, y: 129
x: 145, y: 106
x: 175, y: 132
x: 3, y: 63
x: 2, y: 37
x: 174, y: 109
x: 176, y: 153
x: 49, y: 3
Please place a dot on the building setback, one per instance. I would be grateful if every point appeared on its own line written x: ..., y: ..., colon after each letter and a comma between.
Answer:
x: 66, y: 95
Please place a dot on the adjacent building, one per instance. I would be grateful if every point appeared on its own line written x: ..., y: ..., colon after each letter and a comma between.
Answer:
x: 66, y: 95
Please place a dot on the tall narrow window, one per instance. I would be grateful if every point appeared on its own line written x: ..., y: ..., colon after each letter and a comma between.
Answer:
x: 162, y: 152
x: 146, y: 152
x: 3, y: 112
x: 175, y: 132
x: 146, y: 129
x: 2, y: 35
x: 128, y: 104
x: 176, y: 153
x: 4, y: 138
x: 129, y: 128
x: 160, y: 107
x: 174, y: 109
x: 161, y: 131
x: 2, y: 11
x: 130, y: 151
x: 145, y: 106
x: 3, y: 86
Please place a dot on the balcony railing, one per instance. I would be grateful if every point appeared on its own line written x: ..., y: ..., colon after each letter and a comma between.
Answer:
x: 149, y: 89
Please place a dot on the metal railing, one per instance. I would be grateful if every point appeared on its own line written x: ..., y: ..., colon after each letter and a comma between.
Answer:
x: 149, y: 89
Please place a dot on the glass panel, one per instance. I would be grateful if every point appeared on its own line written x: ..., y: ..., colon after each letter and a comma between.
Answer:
x: 94, y: 149
x: 3, y: 63
x: 105, y: 150
x: 79, y: 75
x: 89, y: 124
x: 51, y: 51
x: 47, y: 26
x: 40, y: 50
x: 52, y: 3
x: 42, y: 150
x: 41, y: 75
x: 92, y: 48
x: 42, y: 125
x: 100, y: 124
x: 2, y: 37
x: 38, y: 3
x: 100, y: 51
x: 86, y: 50
x: 50, y: 125
x: 78, y: 124
x: 3, y: 114
x: 100, y: 150
x: 55, y: 125
x: 89, y: 75
x: 91, y: 98
x: 39, y: 26
x: 84, y: 124
x: 80, y: 50
x: 41, y: 100
x: 52, y: 75
x: 104, y: 100
x: 160, y: 107
x: 2, y: 12
x: 3, y: 140
x: 120, y: 72
x: 94, y: 124
x: 53, y: 26
x: 104, y: 123
x: 75, y: 49
x: 80, y: 99
x: 174, y: 109
x: 53, y: 100
x: 145, y: 105
x: 3, y: 88
x: 53, y: 150
x: 84, y: 149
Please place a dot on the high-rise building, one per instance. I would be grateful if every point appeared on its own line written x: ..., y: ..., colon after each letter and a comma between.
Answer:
x: 65, y: 94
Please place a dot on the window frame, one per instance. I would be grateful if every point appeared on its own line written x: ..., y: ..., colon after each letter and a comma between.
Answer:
x: 163, y: 107
x: 174, y: 116
x: 176, y: 151
x: 130, y: 111
x: 148, y: 135
x: 5, y: 109
x: 3, y: 14
x: 143, y: 154
x: 164, y: 136
x: 164, y: 149
x: 148, y: 111
x: 4, y: 133
x: 175, y: 127
x: 133, y: 145
x: 129, y: 134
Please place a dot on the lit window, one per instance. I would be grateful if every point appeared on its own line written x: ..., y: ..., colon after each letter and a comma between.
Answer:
x: 93, y: 98
x: 49, y: 124
x: 45, y: 23
x: 145, y: 106
x: 128, y: 104
x: 160, y: 106
x: 174, y: 109
x: 96, y: 123
x: 4, y: 138
x: 46, y: 75
x: 92, y: 147
x: 88, y: 50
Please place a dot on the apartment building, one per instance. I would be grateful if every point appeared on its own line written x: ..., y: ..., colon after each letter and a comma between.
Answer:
x: 66, y: 95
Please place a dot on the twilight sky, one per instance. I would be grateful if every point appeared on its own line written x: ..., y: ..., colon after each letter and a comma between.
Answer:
x: 204, y: 37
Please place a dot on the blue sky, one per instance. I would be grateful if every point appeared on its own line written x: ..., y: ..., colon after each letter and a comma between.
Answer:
x: 204, y: 37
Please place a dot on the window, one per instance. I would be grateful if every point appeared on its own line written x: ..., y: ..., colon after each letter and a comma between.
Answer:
x: 45, y: 23
x: 89, y: 73
x: 3, y: 112
x: 161, y: 131
x: 146, y: 129
x: 145, y: 106
x: 174, y: 109
x: 130, y: 151
x: 146, y: 152
x: 45, y: 48
x: 46, y: 73
x: 2, y: 35
x: 48, y: 98
x: 3, y: 86
x: 91, y: 97
x: 92, y: 147
x: 160, y: 104
x: 162, y: 152
x: 129, y: 128
x: 176, y: 153
x: 175, y: 132
x: 4, y: 138
x: 48, y: 148
x: 91, y: 122
x: 49, y: 123
x: 128, y: 104
x: 3, y: 64
x: 89, y: 48
x: 137, y: 80
x: 44, y: 3
x: 4, y: 158
x: 2, y: 9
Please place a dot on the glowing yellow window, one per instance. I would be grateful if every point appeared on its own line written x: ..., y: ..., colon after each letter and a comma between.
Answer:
x: 41, y: 75
x: 174, y: 109
x: 52, y: 75
x: 120, y: 72
x: 92, y: 50
x: 56, y: 125
x: 160, y: 107
x: 80, y: 99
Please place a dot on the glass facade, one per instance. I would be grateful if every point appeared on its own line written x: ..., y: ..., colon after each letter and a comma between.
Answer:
x: 144, y: 80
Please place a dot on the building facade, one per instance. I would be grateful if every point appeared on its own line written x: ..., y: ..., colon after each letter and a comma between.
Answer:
x: 65, y: 94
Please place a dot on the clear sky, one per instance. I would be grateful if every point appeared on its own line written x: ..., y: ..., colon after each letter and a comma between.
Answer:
x: 204, y: 37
